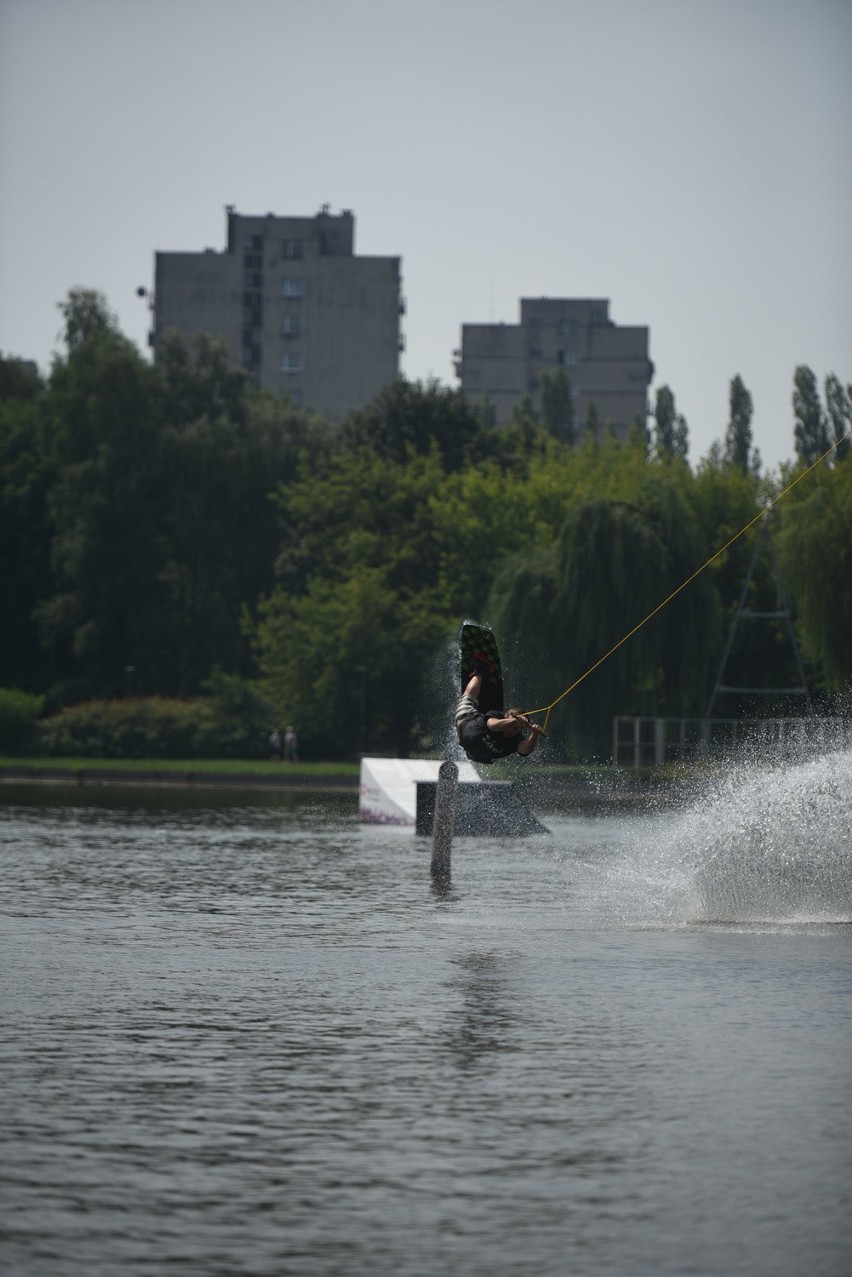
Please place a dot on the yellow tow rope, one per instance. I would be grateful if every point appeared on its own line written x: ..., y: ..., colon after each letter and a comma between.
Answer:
x: 546, y: 709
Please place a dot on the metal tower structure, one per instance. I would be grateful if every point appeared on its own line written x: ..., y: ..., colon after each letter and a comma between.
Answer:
x: 781, y: 613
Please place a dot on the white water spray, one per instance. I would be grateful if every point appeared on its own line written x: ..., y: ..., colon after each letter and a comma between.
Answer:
x: 761, y: 844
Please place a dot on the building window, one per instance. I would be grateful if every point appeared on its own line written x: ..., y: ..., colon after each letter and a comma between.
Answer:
x: 292, y: 249
x: 292, y: 287
x: 253, y: 279
x: 567, y: 358
x: 255, y: 242
x: 291, y: 362
x: 252, y: 261
x: 291, y: 325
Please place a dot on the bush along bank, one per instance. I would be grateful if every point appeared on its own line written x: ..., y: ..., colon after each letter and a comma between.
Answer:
x: 148, y: 727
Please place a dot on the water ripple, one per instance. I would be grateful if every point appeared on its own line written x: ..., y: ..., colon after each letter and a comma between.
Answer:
x: 255, y: 1041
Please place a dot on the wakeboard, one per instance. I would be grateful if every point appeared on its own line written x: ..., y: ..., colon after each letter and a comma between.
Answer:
x: 478, y: 653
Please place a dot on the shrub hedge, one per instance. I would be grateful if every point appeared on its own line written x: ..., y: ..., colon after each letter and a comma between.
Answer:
x: 220, y: 726
x: 233, y: 721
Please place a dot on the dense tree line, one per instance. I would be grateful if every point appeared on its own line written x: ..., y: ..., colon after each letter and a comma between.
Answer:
x: 162, y: 526
x: 137, y: 526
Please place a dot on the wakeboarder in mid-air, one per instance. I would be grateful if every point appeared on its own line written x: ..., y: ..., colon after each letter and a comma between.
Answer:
x: 485, y: 730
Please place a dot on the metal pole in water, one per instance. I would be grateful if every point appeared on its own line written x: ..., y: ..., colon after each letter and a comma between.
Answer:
x: 445, y: 816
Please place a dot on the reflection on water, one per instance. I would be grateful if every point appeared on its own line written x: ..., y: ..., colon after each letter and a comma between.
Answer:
x: 486, y: 1021
x: 249, y: 1037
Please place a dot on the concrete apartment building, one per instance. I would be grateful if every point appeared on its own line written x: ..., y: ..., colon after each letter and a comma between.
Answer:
x: 606, y: 364
x: 296, y: 308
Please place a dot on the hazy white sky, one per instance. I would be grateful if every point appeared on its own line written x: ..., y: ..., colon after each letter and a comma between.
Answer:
x: 688, y: 159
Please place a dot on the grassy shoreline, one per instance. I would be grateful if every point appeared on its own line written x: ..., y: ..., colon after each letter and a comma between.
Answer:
x: 178, y: 771
x: 239, y: 768
x: 578, y: 786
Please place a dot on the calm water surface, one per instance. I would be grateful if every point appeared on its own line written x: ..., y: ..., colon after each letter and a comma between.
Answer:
x: 249, y: 1037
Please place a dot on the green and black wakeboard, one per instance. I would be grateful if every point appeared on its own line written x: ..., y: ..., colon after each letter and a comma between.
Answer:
x: 479, y: 654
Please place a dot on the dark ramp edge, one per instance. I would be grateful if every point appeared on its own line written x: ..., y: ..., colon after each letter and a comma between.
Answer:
x: 490, y: 810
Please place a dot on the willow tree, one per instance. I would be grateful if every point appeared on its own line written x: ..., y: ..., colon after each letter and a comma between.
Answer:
x: 521, y: 609
x: 623, y: 544
x: 686, y: 631
x: 609, y: 564
x: 815, y: 550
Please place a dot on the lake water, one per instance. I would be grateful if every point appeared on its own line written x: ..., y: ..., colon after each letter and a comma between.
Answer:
x: 245, y: 1035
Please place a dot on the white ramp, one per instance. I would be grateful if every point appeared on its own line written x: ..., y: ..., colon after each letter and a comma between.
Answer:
x: 388, y: 788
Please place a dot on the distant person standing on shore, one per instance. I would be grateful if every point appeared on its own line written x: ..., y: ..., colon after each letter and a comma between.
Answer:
x: 291, y: 746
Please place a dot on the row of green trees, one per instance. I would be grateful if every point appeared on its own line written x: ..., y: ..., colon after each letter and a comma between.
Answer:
x: 161, y: 524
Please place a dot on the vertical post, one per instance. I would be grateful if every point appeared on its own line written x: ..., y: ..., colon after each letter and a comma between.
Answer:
x: 444, y: 822
x: 362, y: 710
x: 705, y: 735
